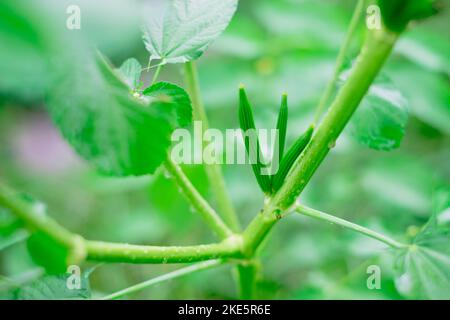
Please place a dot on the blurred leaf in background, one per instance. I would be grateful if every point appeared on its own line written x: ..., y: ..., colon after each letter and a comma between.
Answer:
x: 272, y: 46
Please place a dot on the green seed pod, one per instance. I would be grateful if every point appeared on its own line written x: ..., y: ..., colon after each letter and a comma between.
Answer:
x: 291, y: 155
x: 282, y: 125
x: 248, y: 127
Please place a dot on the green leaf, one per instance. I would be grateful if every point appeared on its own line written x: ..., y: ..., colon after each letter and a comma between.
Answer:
x: 441, y: 205
x: 119, y: 134
x: 397, y: 14
x: 178, y: 31
x: 131, y: 71
x: 322, y: 24
x: 176, y: 96
x: 251, y: 141
x: 427, y: 48
x: 21, y: 33
x: 54, y: 288
x: 428, y: 97
x: 380, y: 120
x: 424, y: 267
x: 48, y: 253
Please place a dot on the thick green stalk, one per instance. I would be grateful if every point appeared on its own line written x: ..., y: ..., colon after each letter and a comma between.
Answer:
x: 197, y: 201
x: 258, y: 229
x: 253, y: 236
x: 213, y: 171
x: 313, y: 213
x: 165, y: 277
x: 373, y: 55
x: 231, y: 247
x: 112, y: 252
x: 343, y: 52
x: 247, y: 279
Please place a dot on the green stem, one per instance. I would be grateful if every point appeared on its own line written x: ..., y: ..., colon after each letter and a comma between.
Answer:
x: 115, y: 252
x: 313, y: 213
x: 213, y: 171
x: 343, y: 52
x: 373, y: 55
x: 166, y: 277
x: 157, y: 72
x: 247, y: 279
x: 198, y: 202
x: 112, y: 252
x: 34, y: 219
x: 257, y: 230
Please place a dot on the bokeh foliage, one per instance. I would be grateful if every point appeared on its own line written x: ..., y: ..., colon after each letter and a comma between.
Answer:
x: 272, y: 47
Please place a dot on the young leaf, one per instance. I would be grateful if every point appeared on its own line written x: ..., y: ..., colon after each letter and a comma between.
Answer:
x: 54, y: 288
x: 288, y: 160
x: 178, y: 31
x: 381, y: 119
x: 397, y: 14
x: 119, y: 134
x: 131, y: 71
x: 424, y: 266
x: 176, y: 96
x: 251, y: 140
x: 282, y: 125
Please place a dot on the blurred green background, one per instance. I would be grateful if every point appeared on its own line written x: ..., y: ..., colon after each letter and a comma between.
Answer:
x: 272, y: 46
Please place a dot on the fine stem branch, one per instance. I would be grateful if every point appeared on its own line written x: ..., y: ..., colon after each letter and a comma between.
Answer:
x: 165, y: 277
x: 198, y: 202
x: 213, y: 171
x: 157, y: 72
x: 343, y: 52
x: 313, y: 213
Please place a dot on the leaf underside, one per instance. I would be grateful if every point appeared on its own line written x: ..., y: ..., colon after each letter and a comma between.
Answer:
x: 178, y: 31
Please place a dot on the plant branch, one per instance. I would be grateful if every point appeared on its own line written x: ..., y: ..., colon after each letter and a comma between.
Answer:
x: 247, y: 273
x: 198, y: 202
x: 31, y: 214
x: 313, y: 213
x: 372, y: 57
x: 115, y: 252
x: 165, y: 277
x: 343, y: 52
x: 213, y: 171
x: 157, y: 72
x: 257, y: 230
